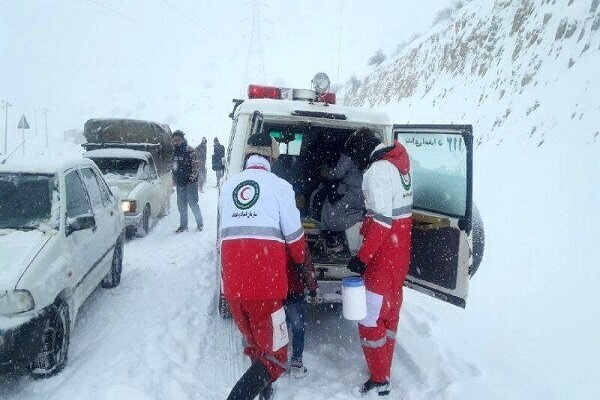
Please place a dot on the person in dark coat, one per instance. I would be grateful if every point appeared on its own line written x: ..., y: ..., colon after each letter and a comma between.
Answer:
x: 201, y: 154
x: 217, y: 160
x: 185, y: 175
x: 344, y: 207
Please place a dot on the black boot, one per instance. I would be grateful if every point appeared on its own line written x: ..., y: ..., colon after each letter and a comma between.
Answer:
x: 266, y: 393
x: 254, y: 380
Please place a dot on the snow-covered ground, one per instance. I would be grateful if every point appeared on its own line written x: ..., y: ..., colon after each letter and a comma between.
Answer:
x: 528, y: 331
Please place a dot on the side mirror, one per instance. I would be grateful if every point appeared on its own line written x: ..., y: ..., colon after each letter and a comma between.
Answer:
x: 80, y: 223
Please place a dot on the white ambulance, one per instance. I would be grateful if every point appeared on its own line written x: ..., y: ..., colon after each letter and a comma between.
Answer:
x: 448, y: 237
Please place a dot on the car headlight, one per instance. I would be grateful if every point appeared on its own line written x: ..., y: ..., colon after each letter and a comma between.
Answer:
x: 16, y: 302
x: 128, y: 206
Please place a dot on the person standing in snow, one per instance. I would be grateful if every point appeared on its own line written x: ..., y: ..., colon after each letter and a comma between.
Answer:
x: 185, y: 175
x: 301, y: 278
x: 260, y: 227
x: 201, y: 154
x: 217, y: 159
x: 384, y: 256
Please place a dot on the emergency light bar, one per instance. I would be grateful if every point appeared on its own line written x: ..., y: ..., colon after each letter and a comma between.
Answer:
x: 320, y: 82
x: 263, y: 92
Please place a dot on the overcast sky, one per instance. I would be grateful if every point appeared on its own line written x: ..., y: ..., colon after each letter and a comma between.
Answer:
x: 181, y: 61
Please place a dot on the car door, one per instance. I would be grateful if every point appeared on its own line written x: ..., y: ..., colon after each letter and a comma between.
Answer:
x: 106, y: 228
x: 82, y: 249
x: 442, y: 178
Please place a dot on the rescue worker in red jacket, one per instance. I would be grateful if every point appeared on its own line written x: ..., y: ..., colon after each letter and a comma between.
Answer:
x: 384, y: 256
x: 259, y: 227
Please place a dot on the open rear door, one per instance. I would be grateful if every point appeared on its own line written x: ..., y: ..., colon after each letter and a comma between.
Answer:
x: 442, y: 178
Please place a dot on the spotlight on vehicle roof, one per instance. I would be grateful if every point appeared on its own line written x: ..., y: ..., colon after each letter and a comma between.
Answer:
x: 320, y: 83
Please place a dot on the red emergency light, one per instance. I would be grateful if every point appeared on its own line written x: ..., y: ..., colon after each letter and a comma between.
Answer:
x: 263, y: 92
x: 328, y: 98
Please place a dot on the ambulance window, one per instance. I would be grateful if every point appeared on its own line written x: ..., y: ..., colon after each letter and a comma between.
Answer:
x: 439, y: 171
x: 292, y: 148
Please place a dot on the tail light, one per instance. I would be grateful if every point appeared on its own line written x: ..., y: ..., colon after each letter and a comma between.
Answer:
x: 263, y: 92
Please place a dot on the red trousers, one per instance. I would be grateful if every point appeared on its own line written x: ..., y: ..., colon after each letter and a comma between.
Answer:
x: 378, y: 333
x: 264, y: 332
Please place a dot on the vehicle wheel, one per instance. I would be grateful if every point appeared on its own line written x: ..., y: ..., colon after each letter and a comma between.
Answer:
x: 55, y: 336
x: 113, y: 278
x: 478, y: 241
x: 224, y: 310
x: 144, y: 227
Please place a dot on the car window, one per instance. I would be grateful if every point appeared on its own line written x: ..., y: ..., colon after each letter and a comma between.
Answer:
x: 76, y: 197
x: 439, y: 171
x: 94, y: 191
x: 106, y: 193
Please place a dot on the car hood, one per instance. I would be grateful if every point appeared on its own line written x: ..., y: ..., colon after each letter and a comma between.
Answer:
x: 123, y: 187
x: 17, y: 251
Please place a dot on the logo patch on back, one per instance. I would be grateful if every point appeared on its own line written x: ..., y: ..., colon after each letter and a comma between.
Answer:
x: 406, y: 181
x: 246, y: 194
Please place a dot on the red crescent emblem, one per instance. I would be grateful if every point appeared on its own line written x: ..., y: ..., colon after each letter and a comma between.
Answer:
x: 242, y: 193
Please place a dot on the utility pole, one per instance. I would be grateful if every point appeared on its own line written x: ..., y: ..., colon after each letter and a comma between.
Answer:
x: 5, y: 106
x: 45, y: 112
x: 255, y: 64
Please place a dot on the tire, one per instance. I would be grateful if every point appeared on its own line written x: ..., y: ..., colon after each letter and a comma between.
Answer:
x: 144, y: 226
x: 55, y: 336
x: 224, y: 310
x: 113, y: 278
x: 478, y: 241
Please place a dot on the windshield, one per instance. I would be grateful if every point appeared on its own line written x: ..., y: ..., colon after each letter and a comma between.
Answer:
x: 129, y: 168
x: 26, y: 201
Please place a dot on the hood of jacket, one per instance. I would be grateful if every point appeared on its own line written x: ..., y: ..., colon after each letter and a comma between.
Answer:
x: 395, y: 154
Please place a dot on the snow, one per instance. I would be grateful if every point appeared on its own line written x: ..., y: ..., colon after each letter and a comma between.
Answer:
x: 531, y: 326
x: 18, y: 249
x: 43, y: 164
x: 527, y: 332
x: 285, y: 108
x: 118, y: 153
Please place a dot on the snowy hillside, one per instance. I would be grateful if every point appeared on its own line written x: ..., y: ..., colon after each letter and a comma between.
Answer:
x: 521, y: 70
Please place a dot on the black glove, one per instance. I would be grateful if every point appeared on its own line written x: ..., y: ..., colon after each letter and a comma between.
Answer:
x: 357, y: 266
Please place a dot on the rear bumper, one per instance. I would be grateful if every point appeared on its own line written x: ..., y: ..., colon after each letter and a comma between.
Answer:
x: 20, y: 344
x: 330, y: 291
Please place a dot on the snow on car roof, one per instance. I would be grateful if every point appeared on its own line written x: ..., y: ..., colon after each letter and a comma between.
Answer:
x: 287, y: 107
x: 118, y: 153
x: 44, y: 164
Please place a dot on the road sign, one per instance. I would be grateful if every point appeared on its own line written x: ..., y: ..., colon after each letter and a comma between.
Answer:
x: 23, y: 124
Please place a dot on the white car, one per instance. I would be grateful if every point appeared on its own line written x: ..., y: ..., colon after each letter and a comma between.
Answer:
x: 447, y: 234
x: 61, y: 235
x: 144, y: 191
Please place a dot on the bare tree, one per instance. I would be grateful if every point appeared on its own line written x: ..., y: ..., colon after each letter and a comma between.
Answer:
x: 354, y: 83
x: 442, y: 15
x: 377, y: 58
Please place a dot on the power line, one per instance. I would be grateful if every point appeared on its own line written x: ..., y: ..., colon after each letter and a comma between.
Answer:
x: 340, y: 42
x: 137, y: 21
x: 255, y: 63
x: 186, y: 16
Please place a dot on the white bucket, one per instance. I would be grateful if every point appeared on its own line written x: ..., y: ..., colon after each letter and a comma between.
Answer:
x: 354, y: 298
